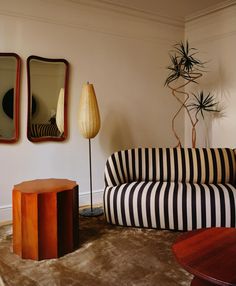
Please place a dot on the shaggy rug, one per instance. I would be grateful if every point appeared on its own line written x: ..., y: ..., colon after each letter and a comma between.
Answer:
x: 107, y: 256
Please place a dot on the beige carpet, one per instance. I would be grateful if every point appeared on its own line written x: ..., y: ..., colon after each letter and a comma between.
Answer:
x: 107, y: 256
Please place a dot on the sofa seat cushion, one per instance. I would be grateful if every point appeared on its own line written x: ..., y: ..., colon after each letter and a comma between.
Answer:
x: 171, y: 205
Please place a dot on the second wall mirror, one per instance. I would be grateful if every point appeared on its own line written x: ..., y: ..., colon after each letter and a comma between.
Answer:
x: 47, y: 99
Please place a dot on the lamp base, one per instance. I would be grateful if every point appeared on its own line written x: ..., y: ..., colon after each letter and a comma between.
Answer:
x: 90, y: 212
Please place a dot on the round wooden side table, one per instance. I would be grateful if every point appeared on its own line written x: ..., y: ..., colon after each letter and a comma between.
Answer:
x: 209, y: 254
x: 45, y: 218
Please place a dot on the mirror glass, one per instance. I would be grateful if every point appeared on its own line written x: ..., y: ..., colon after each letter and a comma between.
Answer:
x: 9, y: 97
x: 47, y: 99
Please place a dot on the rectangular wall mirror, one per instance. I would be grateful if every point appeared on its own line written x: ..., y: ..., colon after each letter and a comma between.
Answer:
x: 47, y: 99
x: 9, y: 97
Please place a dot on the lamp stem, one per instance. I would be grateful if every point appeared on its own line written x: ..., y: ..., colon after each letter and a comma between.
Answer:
x: 90, y: 173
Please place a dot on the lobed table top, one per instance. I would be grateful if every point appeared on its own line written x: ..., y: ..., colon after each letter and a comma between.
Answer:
x: 39, y: 186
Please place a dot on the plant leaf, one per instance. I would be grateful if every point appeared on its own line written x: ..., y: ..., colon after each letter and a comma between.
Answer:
x: 203, y: 103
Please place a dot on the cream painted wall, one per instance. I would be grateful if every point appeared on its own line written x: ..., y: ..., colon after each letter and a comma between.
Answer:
x: 124, y: 56
x: 214, y: 35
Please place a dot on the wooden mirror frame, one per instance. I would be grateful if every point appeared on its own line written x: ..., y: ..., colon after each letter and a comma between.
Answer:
x: 47, y: 138
x: 16, y: 99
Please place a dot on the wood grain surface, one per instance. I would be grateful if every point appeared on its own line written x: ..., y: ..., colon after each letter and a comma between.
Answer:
x: 209, y: 254
x: 45, y: 218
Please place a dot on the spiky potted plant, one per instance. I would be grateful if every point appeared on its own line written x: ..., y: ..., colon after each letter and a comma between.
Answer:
x: 184, y: 65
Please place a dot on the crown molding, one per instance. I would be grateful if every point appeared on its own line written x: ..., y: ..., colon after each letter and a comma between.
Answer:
x: 159, y: 34
x: 97, y: 16
x: 211, y: 10
x: 106, y: 5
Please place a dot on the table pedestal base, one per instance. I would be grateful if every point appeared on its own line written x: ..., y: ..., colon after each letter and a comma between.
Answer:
x: 199, y: 282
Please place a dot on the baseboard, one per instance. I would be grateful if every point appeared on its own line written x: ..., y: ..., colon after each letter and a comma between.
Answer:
x: 5, y: 213
x: 84, y: 200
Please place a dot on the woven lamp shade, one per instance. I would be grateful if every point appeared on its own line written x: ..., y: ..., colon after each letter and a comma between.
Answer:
x: 89, y: 117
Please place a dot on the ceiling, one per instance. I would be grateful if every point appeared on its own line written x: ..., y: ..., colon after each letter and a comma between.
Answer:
x: 171, y: 8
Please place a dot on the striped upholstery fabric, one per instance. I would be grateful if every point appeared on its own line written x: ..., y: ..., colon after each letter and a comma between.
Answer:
x: 179, y: 189
x: 43, y: 130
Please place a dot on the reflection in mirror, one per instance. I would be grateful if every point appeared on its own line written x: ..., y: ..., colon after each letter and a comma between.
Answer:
x: 9, y: 97
x: 47, y: 99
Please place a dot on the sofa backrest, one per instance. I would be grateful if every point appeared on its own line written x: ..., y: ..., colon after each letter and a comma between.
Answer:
x: 200, y: 165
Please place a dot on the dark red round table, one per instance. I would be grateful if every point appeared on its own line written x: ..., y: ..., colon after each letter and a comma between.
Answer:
x: 208, y: 254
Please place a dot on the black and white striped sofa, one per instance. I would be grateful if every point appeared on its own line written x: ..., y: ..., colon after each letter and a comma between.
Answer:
x: 171, y: 188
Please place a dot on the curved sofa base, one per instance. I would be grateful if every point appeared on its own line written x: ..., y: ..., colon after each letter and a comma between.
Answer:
x: 171, y: 205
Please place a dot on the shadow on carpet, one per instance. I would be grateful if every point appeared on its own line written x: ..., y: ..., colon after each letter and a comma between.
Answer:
x: 107, y: 256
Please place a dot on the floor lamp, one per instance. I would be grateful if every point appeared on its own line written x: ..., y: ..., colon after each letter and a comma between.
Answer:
x: 89, y: 125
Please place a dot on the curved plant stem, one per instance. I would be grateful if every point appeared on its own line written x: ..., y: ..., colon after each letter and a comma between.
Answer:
x: 194, y: 134
x: 177, y: 92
